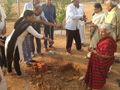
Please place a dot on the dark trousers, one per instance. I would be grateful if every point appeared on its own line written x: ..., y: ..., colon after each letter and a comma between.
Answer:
x: 16, y: 63
x: 70, y: 36
x: 38, y: 41
x: 2, y: 54
x: 48, y: 31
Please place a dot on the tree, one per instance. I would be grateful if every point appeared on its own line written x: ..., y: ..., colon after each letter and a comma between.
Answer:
x: 8, y: 8
x: 60, y: 9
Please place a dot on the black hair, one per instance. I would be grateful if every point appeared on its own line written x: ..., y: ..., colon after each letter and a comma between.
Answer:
x: 26, y: 13
x: 98, y: 5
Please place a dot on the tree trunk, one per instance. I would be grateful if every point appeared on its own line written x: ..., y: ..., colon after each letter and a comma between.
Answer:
x: 18, y: 4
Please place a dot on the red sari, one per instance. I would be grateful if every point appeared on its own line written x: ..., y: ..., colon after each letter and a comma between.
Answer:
x: 98, y: 67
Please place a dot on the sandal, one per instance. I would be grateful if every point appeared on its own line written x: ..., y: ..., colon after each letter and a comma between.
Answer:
x: 22, y: 75
x: 117, y: 61
x: 11, y: 73
x: 82, y: 77
x: 118, y: 80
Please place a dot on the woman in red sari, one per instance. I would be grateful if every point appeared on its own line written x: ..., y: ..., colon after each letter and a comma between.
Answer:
x: 101, y: 59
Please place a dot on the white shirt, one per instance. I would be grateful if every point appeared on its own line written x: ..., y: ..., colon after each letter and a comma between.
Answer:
x: 29, y: 6
x: 72, y: 17
x: 118, y: 5
x: 2, y: 22
x: 80, y: 11
x: 21, y: 38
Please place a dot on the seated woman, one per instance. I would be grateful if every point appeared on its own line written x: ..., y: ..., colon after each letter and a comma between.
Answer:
x: 101, y: 59
x: 98, y: 19
x: 13, y: 44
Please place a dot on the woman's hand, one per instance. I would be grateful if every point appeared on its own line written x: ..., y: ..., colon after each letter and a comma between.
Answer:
x: 50, y: 40
x: 1, y: 43
x: 20, y: 61
x: 93, y: 25
x: 90, y: 49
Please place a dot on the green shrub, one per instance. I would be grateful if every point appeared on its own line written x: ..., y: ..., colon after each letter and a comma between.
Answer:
x: 8, y: 8
x: 60, y: 9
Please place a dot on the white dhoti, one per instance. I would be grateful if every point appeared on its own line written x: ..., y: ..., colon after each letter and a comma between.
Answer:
x: 3, y: 85
x: 81, y: 28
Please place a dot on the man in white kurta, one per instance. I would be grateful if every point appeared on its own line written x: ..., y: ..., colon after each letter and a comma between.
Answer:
x: 72, y: 31
x: 81, y: 24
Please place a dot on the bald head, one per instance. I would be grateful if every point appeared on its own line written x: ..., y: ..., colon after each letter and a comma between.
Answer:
x: 37, y: 10
x: 36, y: 2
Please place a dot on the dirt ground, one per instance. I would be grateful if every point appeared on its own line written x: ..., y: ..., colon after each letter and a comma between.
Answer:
x: 63, y: 70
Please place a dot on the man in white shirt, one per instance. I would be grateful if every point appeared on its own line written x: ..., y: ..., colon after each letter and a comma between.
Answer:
x: 81, y: 24
x: 2, y: 36
x: 72, y: 30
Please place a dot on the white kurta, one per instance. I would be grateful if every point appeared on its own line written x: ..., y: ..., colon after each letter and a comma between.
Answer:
x: 2, y: 22
x: 72, y: 17
x: 3, y: 85
x: 21, y: 38
x: 81, y: 24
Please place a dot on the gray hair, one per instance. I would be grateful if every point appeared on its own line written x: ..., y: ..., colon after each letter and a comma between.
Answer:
x: 112, y: 2
x: 72, y: 0
x: 109, y: 29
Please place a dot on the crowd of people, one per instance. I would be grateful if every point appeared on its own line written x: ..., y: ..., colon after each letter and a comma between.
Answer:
x: 104, y: 36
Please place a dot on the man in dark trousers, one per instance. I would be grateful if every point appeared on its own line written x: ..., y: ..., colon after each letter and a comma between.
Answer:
x: 72, y: 31
x: 50, y: 14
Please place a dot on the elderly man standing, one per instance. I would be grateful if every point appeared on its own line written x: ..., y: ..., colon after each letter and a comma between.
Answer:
x: 113, y: 17
x: 50, y: 13
x: 72, y: 30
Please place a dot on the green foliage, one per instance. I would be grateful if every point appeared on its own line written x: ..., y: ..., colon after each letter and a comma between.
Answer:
x: 102, y: 1
x: 60, y: 9
x: 8, y: 8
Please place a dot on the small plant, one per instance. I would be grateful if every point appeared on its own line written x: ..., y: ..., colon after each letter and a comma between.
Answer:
x: 8, y: 8
x: 60, y: 9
